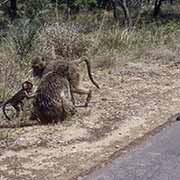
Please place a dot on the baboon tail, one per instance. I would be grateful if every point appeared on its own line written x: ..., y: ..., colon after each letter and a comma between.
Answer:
x: 4, y: 110
x: 89, y: 71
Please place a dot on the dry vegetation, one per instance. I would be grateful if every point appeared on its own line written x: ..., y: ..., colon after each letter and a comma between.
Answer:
x: 138, y: 73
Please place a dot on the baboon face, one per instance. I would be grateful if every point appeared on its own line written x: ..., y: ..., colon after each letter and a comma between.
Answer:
x: 38, y: 66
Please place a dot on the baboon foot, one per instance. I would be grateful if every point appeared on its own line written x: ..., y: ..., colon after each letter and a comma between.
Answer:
x: 33, y: 117
x: 178, y: 118
x: 68, y: 108
x: 88, y: 98
x: 71, y: 111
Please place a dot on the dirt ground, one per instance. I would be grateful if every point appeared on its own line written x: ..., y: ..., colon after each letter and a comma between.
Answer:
x: 135, y: 97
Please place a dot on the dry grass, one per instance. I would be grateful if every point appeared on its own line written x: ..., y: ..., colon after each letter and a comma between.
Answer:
x: 11, y: 73
x: 106, y: 44
x: 66, y: 38
x: 105, y: 47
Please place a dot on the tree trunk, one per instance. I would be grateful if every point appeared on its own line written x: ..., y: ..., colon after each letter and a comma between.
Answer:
x: 68, y: 10
x: 171, y: 2
x: 13, y: 9
x: 114, y: 9
x: 121, y: 4
x: 157, y: 8
x: 127, y: 17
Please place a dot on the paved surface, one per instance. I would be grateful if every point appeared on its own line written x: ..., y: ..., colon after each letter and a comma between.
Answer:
x: 156, y: 159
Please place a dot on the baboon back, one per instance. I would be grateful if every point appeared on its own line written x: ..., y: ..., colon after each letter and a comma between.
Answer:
x: 48, y: 104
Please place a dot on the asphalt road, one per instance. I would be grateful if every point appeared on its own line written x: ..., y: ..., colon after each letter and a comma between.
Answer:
x: 158, y: 158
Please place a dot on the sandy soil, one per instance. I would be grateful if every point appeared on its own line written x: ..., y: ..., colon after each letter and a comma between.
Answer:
x: 135, y: 97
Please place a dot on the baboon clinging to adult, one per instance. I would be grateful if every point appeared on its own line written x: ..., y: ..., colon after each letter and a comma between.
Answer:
x: 16, y: 101
x: 52, y: 102
x: 40, y: 67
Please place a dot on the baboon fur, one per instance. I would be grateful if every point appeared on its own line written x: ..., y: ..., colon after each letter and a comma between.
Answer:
x: 16, y: 101
x: 41, y: 67
x: 53, y: 97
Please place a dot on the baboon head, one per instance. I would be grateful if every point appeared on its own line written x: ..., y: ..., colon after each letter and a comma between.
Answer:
x: 27, y: 86
x: 38, y: 65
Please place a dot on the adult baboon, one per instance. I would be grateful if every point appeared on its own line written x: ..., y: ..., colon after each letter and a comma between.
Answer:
x: 53, y: 97
x: 17, y: 100
x: 40, y: 67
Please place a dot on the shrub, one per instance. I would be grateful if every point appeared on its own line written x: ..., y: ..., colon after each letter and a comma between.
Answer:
x: 66, y: 38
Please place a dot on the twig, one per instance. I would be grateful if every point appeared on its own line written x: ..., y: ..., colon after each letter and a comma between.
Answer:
x: 4, y: 2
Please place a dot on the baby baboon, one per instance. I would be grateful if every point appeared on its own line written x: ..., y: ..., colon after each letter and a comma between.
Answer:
x: 53, y: 98
x: 17, y: 100
x: 40, y: 67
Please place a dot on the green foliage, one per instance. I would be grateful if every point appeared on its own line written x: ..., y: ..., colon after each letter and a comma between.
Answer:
x: 172, y: 26
x: 84, y: 3
x: 22, y: 36
x: 89, y: 22
x: 33, y: 8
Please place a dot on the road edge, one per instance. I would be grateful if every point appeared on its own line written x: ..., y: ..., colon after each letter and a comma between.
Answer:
x: 129, y: 147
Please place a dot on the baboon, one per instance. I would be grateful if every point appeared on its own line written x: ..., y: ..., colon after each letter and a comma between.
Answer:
x: 16, y: 101
x: 52, y: 102
x: 40, y: 67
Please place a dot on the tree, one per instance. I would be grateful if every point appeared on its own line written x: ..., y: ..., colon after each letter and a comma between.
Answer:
x: 122, y: 4
x: 157, y: 7
x: 13, y: 9
x: 68, y: 10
